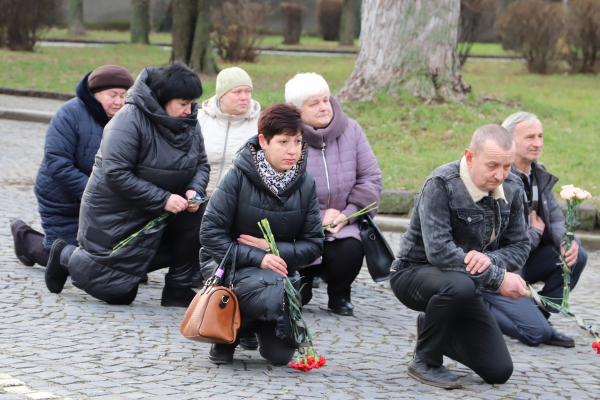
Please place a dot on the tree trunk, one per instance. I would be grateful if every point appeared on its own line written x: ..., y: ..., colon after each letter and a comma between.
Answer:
x: 76, y: 27
x: 410, y: 45
x: 348, y: 22
x: 140, y: 21
x: 202, y: 59
x: 185, y: 13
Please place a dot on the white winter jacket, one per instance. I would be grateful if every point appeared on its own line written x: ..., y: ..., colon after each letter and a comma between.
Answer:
x: 223, y: 135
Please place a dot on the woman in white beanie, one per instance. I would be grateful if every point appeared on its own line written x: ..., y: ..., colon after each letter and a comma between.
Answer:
x: 228, y: 120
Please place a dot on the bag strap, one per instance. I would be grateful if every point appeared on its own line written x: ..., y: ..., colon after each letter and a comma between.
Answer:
x: 224, y: 262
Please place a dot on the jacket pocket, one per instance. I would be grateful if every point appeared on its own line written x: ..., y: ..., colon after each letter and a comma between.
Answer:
x: 470, y: 217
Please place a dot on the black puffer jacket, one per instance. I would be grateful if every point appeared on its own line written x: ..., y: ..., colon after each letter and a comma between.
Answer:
x: 240, y: 201
x: 144, y: 157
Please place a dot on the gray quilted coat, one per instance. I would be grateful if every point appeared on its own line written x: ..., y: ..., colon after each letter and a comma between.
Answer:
x: 344, y: 167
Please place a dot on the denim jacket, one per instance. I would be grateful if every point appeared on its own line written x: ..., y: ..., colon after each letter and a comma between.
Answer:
x: 447, y: 223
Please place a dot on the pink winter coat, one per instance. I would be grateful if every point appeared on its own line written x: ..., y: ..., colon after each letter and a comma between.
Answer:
x: 341, y: 152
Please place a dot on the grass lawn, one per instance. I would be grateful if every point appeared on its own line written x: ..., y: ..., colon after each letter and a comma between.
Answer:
x: 409, y: 138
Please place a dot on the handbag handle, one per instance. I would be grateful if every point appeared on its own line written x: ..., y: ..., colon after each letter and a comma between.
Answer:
x: 224, y: 262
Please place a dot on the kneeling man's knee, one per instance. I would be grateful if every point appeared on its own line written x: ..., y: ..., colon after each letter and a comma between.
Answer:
x: 461, y: 287
x: 499, y: 373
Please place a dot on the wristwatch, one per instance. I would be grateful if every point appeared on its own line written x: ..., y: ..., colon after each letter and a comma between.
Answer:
x: 268, y: 250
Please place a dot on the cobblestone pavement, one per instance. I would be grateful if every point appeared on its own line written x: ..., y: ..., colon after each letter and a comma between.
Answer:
x: 73, y: 346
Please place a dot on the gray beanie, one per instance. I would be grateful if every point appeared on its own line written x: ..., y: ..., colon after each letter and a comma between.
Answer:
x: 231, y: 78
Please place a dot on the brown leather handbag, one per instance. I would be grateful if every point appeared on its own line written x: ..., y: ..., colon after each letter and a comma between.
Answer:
x: 214, y: 314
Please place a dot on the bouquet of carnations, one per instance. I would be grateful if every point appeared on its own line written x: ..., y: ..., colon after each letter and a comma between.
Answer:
x: 309, y: 359
x: 574, y: 197
x: 156, y: 224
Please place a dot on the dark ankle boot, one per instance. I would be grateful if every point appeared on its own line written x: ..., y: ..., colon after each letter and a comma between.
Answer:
x: 56, y: 275
x: 177, y: 297
x: 222, y: 353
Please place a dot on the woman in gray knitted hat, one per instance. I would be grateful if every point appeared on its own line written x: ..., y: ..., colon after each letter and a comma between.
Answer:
x: 72, y: 141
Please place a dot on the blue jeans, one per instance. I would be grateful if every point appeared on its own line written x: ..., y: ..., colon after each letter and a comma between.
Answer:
x: 522, y: 319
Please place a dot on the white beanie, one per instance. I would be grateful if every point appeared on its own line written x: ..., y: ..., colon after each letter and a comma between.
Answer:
x: 231, y: 78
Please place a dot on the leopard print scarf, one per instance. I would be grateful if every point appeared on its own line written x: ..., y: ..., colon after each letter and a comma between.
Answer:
x: 278, y: 181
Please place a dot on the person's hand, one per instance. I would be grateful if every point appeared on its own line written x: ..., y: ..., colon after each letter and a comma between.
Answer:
x: 176, y: 204
x: 330, y: 215
x: 252, y: 241
x: 339, y: 225
x: 477, y: 262
x: 536, y: 221
x: 192, y: 207
x: 571, y: 255
x: 513, y: 287
x: 275, y: 264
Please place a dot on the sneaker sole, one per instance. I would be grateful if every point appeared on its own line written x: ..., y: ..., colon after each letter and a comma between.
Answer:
x: 219, y: 362
x: 433, y: 383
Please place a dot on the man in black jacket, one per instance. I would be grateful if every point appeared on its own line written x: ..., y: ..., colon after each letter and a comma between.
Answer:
x: 466, y: 234
x: 520, y: 319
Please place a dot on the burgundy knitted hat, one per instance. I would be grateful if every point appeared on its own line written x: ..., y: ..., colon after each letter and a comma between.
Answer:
x: 108, y: 77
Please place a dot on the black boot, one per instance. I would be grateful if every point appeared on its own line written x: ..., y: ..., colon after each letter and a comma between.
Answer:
x: 22, y: 258
x: 434, y: 376
x: 56, y: 276
x: 341, y: 306
x: 222, y: 353
x: 177, y: 297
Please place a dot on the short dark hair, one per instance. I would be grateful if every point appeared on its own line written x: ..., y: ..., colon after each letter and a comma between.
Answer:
x: 176, y: 81
x: 280, y: 119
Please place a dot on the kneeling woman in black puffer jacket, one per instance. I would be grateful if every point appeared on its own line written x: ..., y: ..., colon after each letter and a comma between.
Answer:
x: 151, y: 160
x: 268, y: 180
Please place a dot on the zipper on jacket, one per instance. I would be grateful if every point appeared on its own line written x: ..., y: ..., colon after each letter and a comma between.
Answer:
x: 224, y: 151
x: 326, y: 177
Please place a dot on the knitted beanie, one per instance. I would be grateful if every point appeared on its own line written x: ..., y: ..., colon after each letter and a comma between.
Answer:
x: 108, y: 77
x: 231, y: 78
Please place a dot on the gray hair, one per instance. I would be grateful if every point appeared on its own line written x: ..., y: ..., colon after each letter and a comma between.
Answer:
x: 302, y: 86
x: 511, y: 122
x: 496, y: 133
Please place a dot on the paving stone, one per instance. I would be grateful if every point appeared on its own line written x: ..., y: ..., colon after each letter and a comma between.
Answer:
x: 72, y: 345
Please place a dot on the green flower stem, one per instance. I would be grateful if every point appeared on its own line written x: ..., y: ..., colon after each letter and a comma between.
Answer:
x: 302, y: 339
x: 543, y: 301
x: 363, y: 211
x: 153, y: 223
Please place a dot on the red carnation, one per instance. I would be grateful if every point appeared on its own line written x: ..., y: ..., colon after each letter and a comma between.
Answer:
x: 596, y: 345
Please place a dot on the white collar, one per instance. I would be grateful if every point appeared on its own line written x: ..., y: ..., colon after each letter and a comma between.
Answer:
x: 476, y: 193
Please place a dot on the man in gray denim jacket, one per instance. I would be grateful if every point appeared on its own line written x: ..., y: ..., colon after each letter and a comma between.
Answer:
x: 467, y: 233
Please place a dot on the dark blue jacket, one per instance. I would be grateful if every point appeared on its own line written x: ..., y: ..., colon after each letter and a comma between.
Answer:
x: 446, y: 224
x: 72, y: 140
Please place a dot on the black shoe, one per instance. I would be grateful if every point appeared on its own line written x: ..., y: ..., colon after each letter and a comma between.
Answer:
x: 559, y: 339
x: 434, y: 376
x: 221, y: 353
x: 197, y: 279
x: 56, y: 276
x: 341, y: 306
x: 249, y: 341
x: 144, y: 278
x: 177, y: 297
x: 21, y: 257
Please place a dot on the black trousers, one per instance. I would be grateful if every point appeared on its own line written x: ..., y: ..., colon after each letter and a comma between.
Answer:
x: 272, y: 348
x: 30, y: 243
x: 342, y: 261
x: 457, y: 322
x: 179, y: 250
